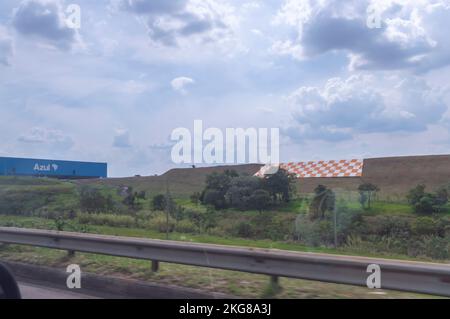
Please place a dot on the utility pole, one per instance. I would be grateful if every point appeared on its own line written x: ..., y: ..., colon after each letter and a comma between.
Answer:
x: 168, y: 203
x: 335, y: 227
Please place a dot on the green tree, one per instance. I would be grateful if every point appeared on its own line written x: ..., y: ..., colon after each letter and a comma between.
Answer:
x: 425, y: 203
x: 324, y: 201
x: 170, y: 210
x: 280, y: 185
x: 219, y: 181
x: 214, y: 198
x: 240, y: 191
x: 159, y: 202
x: 416, y: 194
x: 367, y: 191
x: 132, y: 199
x: 142, y: 195
x: 260, y: 200
x: 93, y: 201
x: 217, y: 185
x: 441, y: 198
x: 195, y: 198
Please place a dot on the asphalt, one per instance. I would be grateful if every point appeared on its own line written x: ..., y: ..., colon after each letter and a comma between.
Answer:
x: 34, y: 291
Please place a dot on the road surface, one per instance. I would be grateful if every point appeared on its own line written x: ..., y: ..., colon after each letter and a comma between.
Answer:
x: 33, y: 291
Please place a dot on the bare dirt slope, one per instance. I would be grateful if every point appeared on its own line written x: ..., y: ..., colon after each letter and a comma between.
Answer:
x: 397, y: 175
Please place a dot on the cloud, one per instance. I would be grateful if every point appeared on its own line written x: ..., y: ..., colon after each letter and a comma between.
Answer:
x: 44, y: 19
x: 122, y: 139
x: 170, y: 22
x: 47, y: 137
x: 180, y: 84
x: 407, y: 38
x: 135, y: 87
x: 364, y: 104
x: 6, y: 47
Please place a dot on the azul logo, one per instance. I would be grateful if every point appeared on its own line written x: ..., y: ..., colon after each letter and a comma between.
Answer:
x: 45, y: 168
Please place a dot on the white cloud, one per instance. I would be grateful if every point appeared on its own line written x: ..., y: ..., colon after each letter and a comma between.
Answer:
x: 180, y: 84
x: 122, y: 139
x: 408, y: 38
x: 44, y: 20
x: 178, y: 22
x: 6, y: 47
x: 135, y: 87
x: 364, y: 104
x: 48, y: 137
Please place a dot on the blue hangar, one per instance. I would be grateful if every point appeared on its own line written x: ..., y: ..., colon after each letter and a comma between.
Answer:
x: 52, y: 168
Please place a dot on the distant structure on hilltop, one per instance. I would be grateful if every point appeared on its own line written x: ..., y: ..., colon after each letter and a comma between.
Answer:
x: 395, y: 176
x: 330, y: 169
x: 52, y: 168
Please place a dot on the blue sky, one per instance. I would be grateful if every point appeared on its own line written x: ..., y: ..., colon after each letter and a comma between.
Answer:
x: 116, y: 88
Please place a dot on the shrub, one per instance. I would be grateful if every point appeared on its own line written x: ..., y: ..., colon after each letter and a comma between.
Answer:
x: 202, y: 220
x: 324, y: 201
x: 214, y: 198
x: 259, y: 200
x: 195, y: 198
x: 390, y: 226
x: 314, y: 232
x: 160, y: 224
x: 376, y: 244
x: 427, y: 203
x: 244, y: 230
x: 367, y: 191
x: 145, y: 215
x: 107, y: 220
x: 425, y: 226
x: 159, y: 202
x: 93, y: 201
x: 431, y: 246
x: 186, y: 226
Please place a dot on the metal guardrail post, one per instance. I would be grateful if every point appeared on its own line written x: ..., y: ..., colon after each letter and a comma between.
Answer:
x: 155, y: 266
x: 275, y: 280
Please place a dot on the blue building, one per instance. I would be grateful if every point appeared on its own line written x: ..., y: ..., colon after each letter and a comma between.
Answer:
x: 51, y: 168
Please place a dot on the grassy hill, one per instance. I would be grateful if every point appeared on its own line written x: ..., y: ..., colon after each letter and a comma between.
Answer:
x: 25, y: 195
x: 395, y: 176
x: 182, y: 183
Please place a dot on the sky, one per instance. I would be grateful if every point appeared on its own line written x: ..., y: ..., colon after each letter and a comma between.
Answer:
x: 114, y: 89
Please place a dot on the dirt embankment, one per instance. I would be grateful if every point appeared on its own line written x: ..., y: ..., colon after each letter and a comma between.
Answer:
x: 395, y: 176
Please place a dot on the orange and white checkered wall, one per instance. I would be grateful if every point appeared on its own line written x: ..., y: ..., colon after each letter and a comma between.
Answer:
x: 343, y: 168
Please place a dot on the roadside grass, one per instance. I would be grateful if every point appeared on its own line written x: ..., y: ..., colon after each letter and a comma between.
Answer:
x: 231, y: 283
x: 31, y: 195
x: 41, y: 223
x: 385, y: 208
x: 27, y: 181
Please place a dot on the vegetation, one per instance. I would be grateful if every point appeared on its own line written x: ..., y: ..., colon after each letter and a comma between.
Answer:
x: 367, y: 191
x: 425, y: 203
x: 324, y: 201
x: 232, y: 209
x: 93, y: 201
x: 230, y: 190
x: 241, y: 209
